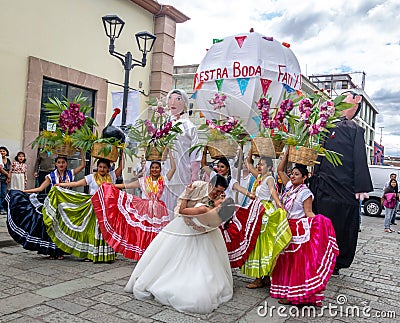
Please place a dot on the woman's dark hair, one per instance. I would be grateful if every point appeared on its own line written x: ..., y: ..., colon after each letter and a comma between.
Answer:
x: 155, y: 162
x: 20, y: 153
x: 268, y: 161
x: 61, y: 157
x: 225, y: 161
x: 227, y: 209
x: 219, y: 180
x: 104, y: 161
x: 391, y: 189
x: 5, y: 148
x: 303, y: 170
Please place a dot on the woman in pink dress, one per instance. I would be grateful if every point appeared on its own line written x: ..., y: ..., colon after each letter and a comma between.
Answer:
x: 127, y: 222
x: 305, y: 266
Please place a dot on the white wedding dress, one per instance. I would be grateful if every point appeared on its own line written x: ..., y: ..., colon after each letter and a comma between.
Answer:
x: 184, y: 268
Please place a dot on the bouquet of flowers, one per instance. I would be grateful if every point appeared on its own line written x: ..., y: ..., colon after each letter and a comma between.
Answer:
x: 158, y: 132
x: 273, y: 119
x: 223, y: 133
x: 70, y: 120
x: 317, y: 115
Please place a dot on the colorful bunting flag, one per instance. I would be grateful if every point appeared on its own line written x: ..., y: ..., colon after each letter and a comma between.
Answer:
x: 198, y: 86
x: 265, y: 85
x: 219, y: 84
x: 194, y: 95
x: 216, y: 40
x: 243, y: 82
x: 240, y: 40
x: 268, y: 38
x: 288, y: 88
x: 299, y: 93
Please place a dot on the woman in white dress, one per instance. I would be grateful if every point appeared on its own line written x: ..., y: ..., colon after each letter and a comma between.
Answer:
x: 186, y: 266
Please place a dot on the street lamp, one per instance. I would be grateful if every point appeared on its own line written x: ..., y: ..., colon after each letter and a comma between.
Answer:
x: 113, y: 26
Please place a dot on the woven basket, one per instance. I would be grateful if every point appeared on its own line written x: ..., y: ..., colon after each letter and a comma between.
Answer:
x: 263, y: 147
x: 64, y: 150
x: 302, y: 155
x: 153, y: 154
x: 278, y: 145
x: 222, y: 148
x: 97, y: 153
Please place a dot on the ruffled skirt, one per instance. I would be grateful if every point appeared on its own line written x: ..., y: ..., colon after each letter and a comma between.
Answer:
x: 304, y: 268
x: 72, y: 225
x: 274, y: 236
x: 127, y: 222
x: 241, y: 232
x: 25, y: 223
x: 184, y: 268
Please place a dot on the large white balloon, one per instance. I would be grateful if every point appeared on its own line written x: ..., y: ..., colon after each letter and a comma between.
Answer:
x: 245, y: 67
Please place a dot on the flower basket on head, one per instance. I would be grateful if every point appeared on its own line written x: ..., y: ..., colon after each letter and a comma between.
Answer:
x: 302, y: 155
x: 263, y: 147
x: 104, y: 151
x: 69, y: 122
x: 152, y: 154
x: 266, y: 144
x: 224, y: 134
x: 222, y: 148
x: 308, y: 131
x: 157, y: 133
x: 278, y: 146
x: 64, y: 150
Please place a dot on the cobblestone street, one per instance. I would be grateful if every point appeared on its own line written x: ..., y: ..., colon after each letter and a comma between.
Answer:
x: 35, y: 289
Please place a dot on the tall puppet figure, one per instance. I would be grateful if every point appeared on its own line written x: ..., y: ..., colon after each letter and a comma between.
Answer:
x: 187, y: 165
x: 338, y: 190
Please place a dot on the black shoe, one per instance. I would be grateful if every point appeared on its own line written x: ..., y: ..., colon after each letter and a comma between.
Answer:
x: 335, y: 272
x: 393, y: 223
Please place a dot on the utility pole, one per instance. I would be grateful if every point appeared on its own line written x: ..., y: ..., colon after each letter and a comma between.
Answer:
x: 380, y: 142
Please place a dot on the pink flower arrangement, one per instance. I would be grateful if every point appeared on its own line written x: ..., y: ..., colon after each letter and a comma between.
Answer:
x: 326, y: 110
x: 264, y: 106
x: 72, y: 119
x: 158, y: 133
x: 218, y: 101
x: 226, y: 127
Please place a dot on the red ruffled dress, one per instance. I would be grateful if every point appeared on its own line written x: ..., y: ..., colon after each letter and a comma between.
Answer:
x: 241, y: 232
x: 127, y: 222
x: 305, y: 266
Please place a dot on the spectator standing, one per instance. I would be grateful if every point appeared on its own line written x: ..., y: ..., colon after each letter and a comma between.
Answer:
x: 393, y: 216
x: 18, y: 172
x: 44, y: 165
x: 389, y: 200
x: 4, y: 176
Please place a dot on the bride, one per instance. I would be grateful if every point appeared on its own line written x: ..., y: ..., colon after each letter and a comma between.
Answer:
x: 186, y: 266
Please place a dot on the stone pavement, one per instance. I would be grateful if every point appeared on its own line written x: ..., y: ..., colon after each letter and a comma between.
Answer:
x: 35, y: 289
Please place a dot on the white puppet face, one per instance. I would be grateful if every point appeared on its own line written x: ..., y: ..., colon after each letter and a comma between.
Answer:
x: 176, y: 103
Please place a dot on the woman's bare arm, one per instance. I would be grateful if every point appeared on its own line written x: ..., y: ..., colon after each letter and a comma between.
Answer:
x: 307, y: 205
x: 281, y: 168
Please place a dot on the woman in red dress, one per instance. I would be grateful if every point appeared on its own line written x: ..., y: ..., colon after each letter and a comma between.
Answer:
x: 127, y: 222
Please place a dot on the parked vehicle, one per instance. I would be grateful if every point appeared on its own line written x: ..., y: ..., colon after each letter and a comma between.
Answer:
x: 380, y: 177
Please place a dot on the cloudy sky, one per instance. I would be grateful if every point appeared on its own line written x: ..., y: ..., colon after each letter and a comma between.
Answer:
x: 326, y: 36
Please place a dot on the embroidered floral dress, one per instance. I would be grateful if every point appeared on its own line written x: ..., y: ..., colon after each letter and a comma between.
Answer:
x: 304, y: 268
x: 18, y: 176
x: 129, y: 223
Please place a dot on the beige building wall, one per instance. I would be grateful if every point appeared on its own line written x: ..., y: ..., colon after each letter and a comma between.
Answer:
x: 65, y: 40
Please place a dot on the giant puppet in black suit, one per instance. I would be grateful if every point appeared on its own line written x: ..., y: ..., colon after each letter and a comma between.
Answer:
x: 337, y: 190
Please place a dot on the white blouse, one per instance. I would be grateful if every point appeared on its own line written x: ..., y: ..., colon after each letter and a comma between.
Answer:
x: 297, y: 211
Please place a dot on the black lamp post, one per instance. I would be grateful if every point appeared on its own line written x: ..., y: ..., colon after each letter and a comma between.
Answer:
x: 113, y: 26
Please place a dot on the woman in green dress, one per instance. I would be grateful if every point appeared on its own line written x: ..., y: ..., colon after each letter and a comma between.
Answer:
x: 275, y: 232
